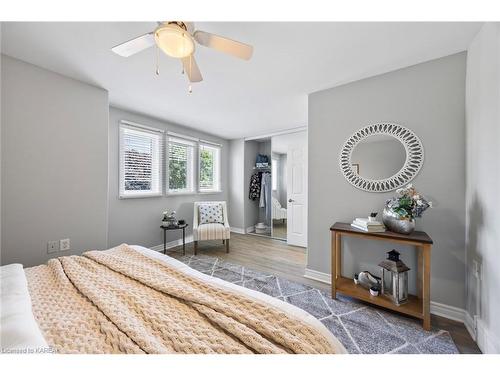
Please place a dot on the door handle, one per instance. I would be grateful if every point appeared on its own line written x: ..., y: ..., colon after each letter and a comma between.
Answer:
x: 290, y: 200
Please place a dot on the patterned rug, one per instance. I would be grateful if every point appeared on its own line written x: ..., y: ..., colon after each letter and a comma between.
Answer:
x: 360, y: 327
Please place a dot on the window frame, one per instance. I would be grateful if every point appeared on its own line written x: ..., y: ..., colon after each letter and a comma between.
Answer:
x: 217, y: 167
x: 128, y: 194
x: 194, y: 146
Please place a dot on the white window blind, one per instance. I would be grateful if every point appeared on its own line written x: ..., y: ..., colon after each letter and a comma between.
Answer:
x: 141, y: 151
x: 209, y: 168
x: 180, y: 165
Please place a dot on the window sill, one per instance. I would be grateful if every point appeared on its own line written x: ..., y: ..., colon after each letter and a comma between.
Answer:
x: 210, y: 192
x: 173, y: 194
x: 135, y: 196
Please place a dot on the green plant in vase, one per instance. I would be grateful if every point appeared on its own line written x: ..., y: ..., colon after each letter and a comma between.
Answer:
x: 401, y: 211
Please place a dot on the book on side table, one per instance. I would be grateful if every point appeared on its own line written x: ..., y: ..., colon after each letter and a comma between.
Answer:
x: 368, y: 225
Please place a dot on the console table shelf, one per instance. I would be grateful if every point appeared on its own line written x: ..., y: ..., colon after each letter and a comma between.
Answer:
x: 417, y: 306
x: 413, y: 307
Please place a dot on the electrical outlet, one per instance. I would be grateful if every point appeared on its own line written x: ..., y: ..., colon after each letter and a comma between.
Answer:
x: 64, y: 245
x: 52, y: 247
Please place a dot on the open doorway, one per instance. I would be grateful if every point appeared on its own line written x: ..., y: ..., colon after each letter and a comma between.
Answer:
x: 276, y: 167
x: 258, y: 211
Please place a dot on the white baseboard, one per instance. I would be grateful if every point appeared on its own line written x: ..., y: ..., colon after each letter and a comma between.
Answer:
x: 318, y: 276
x: 440, y: 309
x: 250, y: 229
x: 470, y: 324
x: 238, y: 230
x: 172, y: 244
x: 486, y: 340
x: 447, y: 311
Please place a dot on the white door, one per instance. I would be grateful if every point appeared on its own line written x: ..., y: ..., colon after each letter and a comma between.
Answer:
x: 296, y: 168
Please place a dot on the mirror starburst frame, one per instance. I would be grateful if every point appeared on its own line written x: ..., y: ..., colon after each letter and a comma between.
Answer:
x: 413, y: 163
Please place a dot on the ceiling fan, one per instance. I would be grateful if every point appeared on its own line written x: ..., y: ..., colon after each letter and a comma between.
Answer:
x: 177, y: 39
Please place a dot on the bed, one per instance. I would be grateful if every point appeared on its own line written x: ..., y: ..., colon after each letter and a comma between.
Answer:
x: 131, y: 299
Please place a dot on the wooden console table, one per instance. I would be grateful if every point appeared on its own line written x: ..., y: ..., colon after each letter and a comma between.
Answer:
x: 417, y: 306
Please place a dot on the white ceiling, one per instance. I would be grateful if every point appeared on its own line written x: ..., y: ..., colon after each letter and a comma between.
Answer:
x: 237, y: 98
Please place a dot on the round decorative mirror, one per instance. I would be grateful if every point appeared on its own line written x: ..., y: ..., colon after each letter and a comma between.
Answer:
x: 381, y: 157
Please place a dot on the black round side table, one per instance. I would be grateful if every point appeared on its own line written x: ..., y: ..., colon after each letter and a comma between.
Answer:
x: 174, y: 227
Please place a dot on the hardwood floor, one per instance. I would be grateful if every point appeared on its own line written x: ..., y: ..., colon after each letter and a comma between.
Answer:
x: 278, y: 258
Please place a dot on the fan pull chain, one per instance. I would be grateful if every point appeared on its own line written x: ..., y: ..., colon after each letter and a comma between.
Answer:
x: 190, y: 88
x: 183, y: 64
x: 157, y: 61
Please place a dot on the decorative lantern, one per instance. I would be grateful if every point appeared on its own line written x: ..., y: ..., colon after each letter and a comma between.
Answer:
x: 397, y: 288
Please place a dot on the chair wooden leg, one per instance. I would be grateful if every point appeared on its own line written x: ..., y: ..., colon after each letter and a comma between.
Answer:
x: 227, y: 246
x: 195, y: 247
x: 223, y: 242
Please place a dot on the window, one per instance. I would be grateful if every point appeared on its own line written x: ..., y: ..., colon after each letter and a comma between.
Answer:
x: 143, y: 160
x: 274, y: 174
x: 140, y: 161
x: 209, y: 168
x: 180, y: 165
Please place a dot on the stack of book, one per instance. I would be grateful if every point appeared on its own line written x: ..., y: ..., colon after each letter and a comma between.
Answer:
x: 362, y: 223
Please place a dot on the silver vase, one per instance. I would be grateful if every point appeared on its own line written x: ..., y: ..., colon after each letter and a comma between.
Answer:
x: 395, y: 223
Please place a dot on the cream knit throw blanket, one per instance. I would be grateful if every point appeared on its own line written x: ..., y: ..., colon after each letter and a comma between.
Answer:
x: 121, y: 301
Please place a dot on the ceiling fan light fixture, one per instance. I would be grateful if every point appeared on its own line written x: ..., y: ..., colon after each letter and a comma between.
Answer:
x: 174, y: 40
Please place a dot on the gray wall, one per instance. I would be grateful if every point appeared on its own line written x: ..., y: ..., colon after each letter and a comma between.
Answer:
x: 237, y: 190
x: 1, y: 61
x: 137, y: 220
x: 427, y: 98
x: 54, y: 170
x: 483, y: 181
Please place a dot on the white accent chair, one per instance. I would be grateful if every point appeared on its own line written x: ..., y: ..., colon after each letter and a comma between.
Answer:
x: 211, y: 231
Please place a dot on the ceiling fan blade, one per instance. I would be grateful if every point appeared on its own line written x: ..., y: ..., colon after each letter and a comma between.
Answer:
x: 189, y: 26
x: 191, y: 69
x: 226, y: 45
x: 135, y: 45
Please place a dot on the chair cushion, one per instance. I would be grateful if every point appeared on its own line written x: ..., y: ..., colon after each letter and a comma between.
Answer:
x: 212, y: 231
x: 210, y: 213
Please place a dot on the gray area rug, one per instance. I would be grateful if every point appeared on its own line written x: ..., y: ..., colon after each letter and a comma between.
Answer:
x: 360, y: 327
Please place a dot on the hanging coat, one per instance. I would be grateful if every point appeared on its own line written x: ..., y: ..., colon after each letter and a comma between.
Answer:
x: 254, y: 190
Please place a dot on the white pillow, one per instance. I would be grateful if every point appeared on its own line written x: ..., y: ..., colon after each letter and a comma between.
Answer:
x: 211, y: 213
x: 19, y: 332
